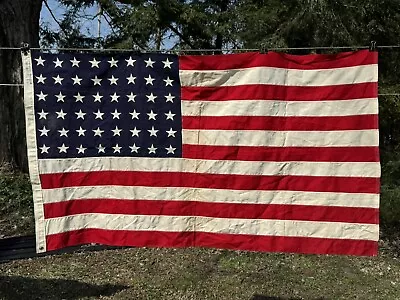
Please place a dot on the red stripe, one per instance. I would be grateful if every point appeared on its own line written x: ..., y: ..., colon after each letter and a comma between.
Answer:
x: 283, y: 93
x: 277, y: 60
x: 212, y: 181
x: 359, y: 122
x: 317, y: 154
x: 215, y: 210
x: 212, y: 240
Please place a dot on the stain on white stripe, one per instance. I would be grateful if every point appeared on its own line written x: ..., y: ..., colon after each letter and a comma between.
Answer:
x: 335, y: 230
x: 276, y: 108
x: 212, y: 196
x: 279, y: 76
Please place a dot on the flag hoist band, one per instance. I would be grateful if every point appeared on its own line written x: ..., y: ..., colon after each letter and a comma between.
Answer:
x: 264, y: 152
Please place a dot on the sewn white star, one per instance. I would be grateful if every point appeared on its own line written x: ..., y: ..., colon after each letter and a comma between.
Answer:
x: 168, y: 81
x: 149, y: 80
x: 130, y: 61
x: 40, y: 62
x: 170, y: 150
x: 152, y: 131
x: 116, y: 131
x: 98, y: 114
x: 101, y: 149
x: 79, y: 98
x: 81, y: 149
x: 117, y: 148
x: 76, y: 80
x: 171, y: 132
x: 58, y: 79
x: 115, y: 114
x: 113, y: 80
x: 98, y: 132
x: 43, y: 114
x: 152, y: 149
x: 80, y: 115
x: 97, y: 97
x: 96, y: 80
x: 41, y: 96
x: 152, y: 115
x: 134, y: 148
x: 95, y: 63
x: 167, y: 63
x: 58, y: 63
x: 135, y: 132
x: 63, y: 132
x: 44, y: 149
x: 134, y: 114
x: 75, y: 62
x: 170, y: 115
x: 169, y: 98
x: 131, y: 97
x: 151, y: 98
x: 114, y: 97
x: 60, y: 97
x: 61, y: 114
x: 63, y: 148
x: 40, y: 78
x: 113, y: 62
x: 81, y: 131
x: 149, y: 63
x: 131, y: 79
x: 44, y: 131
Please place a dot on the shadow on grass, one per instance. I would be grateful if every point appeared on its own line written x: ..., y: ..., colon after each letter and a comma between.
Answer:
x: 261, y: 297
x: 18, y: 288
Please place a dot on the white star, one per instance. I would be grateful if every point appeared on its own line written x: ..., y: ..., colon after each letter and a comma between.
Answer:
x: 96, y: 80
x: 80, y: 131
x: 80, y: 115
x: 171, y: 132
x: 40, y: 62
x: 58, y: 79
x: 113, y: 62
x: 131, y: 97
x: 116, y: 131
x: 168, y: 81
x: 149, y: 62
x: 101, y: 148
x: 114, y: 97
x: 97, y: 97
x: 44, y: 131
x: 61, y: 114
x: 98, y: 114
x: 151, y: 98
x: 152, y: 149
x: 75, y: 62
x: 135, y: 132
x: 152, y: 131
x: 63, y: 132
x: 60, y: 97
x: 41, y: 96
x: 170, y: 150
x: 170, y: 115
x: 43, y: 115
x: 130, y: 61
x: 40, y: 78
x: 79, y: 98
x: 134, y: 114
x: 167, y: 63
x: 81, y: 149
x: 149, y: 80
x: 98, y: 131
x: 44, y: 149
x: 113, y: 80
x: 134, y: 148
x: 117, y: 148
x: 63, y: 148
x: 95, y: 63
x: 131, y: 79
x: 115, y: 114
x: 152, y: 115
x: 77, y: 80
x: 58, y: 63
x: 169, y: 98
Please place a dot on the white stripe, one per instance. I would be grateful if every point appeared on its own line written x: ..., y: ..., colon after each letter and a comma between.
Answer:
x: 276, y: 108
x: 29, y: 99
x: 212, y: 195
x: 347, y: 138
x: 279, y: 76
x: 335, y: 230
x: 295, y: 168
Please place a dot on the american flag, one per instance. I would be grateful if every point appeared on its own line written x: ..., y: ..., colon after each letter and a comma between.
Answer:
x: 264, y: 152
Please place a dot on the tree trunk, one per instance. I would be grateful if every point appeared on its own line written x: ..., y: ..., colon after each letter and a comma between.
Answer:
x: 19, y: 22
